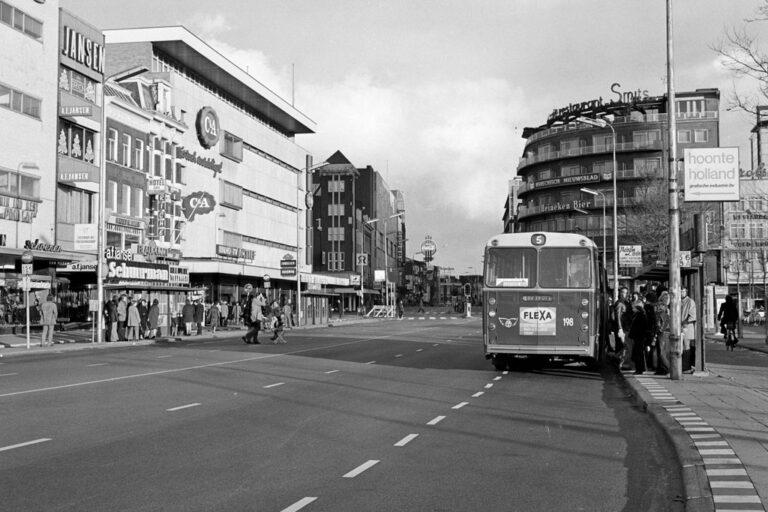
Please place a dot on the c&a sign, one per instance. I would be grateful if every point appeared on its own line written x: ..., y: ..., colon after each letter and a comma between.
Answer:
x: 208, y: 127
x: 197, y: 203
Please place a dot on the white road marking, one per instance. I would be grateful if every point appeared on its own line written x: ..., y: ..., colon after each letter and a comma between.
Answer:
x: 303, y: 502
x: 398, y: 355
x: 505, y: 372
x: 460, y: 405
x: 331, y: 371
x: 497, y: 378
x: 7, y: 374
x: 735, y: 499
x: 370, y: 362
x: 710, y: 443
x: 419, y: 349
x: 274, y: 385
x: 98, y: 364
x: 721, y: 460
x: 163, y: 357
x: 407, y: 439
x: 436, y: 420
x: 21, y: 445
x: 704, y: 436
x: 488, y: 386
x: 726, y: 472
x: 359, y: 469
x: 173, y: 409
x: 726, y: 484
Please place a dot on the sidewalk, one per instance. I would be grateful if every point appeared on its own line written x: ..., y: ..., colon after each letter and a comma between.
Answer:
x: 718, y: 423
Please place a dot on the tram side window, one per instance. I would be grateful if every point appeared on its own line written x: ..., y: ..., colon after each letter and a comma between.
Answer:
x: 511, y: 268
x: 565, y: 268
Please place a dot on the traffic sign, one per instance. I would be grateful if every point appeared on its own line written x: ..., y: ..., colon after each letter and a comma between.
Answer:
x: 26, y: 269
x: 267, y: 284
x: 362, y: 259
x: 248, y: 288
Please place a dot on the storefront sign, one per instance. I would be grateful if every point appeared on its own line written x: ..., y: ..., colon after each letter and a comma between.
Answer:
x: 202, y: 161
x: 624, y: 99
x: 86, y: 237
x: 560, y: 207
x: 82, y: 50
x: 566, y: 180
x: 235, y: 252
x: 152, y: 251
x: 75, y: 110
x: 208, y: 128
x: 37, y: 245
x: 118, y: 254
x: 119, y: 271
x: 156, y: 185
x: 20, y: 210
x: 197, y: 203
x: 178, y: 275
x: 123, y: 221
x: 78, y: 266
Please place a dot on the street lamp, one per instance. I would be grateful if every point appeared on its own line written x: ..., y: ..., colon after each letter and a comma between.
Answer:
x: 602, y: 123
x: 386, y: 260
x: 596, y: 193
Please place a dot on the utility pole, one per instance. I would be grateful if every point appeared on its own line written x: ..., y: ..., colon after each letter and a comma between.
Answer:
x: 675, y: 349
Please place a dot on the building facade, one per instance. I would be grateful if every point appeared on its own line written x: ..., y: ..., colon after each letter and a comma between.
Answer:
x: 567, y: 169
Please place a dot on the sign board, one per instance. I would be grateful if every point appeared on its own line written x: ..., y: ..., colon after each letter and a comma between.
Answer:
x: 685, y: 259
x: 285, y: 272
x: 93, y: 305
x: 267, y: 284
x: 26, y: 269
x: 354, y: 279
x: 361, y: 259
x: 86, y: 236
x: 248, y: 288
x: 630, y: 256
x: 288, y: 264
x: 379, y: 276
x: 711, y: 174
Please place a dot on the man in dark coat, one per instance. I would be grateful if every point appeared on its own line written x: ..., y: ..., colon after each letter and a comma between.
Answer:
x: 199, y: 316
x: 110, y: 313
x: 188, y: 317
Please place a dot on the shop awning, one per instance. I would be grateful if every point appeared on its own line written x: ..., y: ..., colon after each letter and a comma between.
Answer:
x: 47, y: 255
x: 319, y: 293
x: 354, y: 291
x: 660, y: 273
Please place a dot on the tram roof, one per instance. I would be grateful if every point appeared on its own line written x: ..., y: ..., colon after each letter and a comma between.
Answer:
x: 553, y: 239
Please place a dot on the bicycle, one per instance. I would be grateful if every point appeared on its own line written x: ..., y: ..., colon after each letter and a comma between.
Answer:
x: 730, y: 336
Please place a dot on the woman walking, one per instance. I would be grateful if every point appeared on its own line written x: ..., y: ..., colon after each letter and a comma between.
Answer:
x: 214, y: 316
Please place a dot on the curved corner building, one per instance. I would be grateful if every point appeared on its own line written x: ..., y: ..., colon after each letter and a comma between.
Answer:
x: 564, y: 156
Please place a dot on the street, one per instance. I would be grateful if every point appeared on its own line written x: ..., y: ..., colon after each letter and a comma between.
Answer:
x: 394, y: 415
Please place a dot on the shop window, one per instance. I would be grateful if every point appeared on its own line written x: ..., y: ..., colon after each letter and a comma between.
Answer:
x: 232, y: 147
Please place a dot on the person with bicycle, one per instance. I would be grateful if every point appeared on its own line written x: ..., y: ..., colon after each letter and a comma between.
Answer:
x: 728, y: 316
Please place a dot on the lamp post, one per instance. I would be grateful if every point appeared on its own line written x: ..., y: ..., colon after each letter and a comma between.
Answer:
x: 386, y: 258
x: 595, y: 193
x: 602, y: 123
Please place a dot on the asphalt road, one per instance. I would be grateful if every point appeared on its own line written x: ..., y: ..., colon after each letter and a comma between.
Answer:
x: 404, y: 416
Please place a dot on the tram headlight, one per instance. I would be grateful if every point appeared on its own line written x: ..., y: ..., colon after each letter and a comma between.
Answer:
x: 491, y: 326
x: 584, y: 315
x: 585, y: 302
x: 492, y: 313
x: 584, y: 327
x: 491, y: 301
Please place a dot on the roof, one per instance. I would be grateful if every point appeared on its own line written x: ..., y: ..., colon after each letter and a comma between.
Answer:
x: 660, y: 273
x: 192, y: 52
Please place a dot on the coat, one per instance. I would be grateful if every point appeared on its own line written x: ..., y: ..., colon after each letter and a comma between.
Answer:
x: 122, y: 311
x: 134, y: 319
x: 153, y: 316
x: 188, y: 313
x: 111, y: 311
x: 48, y: 313
x: 214, y: 316
x: 199, y: 312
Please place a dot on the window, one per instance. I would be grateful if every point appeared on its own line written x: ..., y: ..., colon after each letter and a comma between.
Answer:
x: 137, y: 203
x: 544, y: 174
x: 647, y: 166
x: 602, y: 167
x: 77, y: 84
x: 22, y: 185
x: 602, y: 142
x: 126, y: 150
x: 570, y: 170
x: 29, y: 186
x: 112, y: 145
x: 336, y: 234
x: 75, y: 206
x: 232, y: 147
x: 335, y: 210
x: 336, y: 185
x: 20, y: 102
x: 138, y: 154
x: 565, y: 268
x: 21, y: 21
x: 336, y: 261
x: 169, y: 166
x: 700, y: 135
x: 684, y: 136
x: 231, y: 195
x: 125, y: 200
x: 512, y: 268
x: 569, y: 147
x: 110, y: 200
x: 646, y: 138
x: 75, y: 141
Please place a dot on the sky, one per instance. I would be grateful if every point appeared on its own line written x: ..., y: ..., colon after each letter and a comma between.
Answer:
x: 434, y: 94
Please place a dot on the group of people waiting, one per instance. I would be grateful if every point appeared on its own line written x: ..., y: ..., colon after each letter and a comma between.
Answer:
x: 258, y: 316
x: 641, y: 328
x: 130, y: 319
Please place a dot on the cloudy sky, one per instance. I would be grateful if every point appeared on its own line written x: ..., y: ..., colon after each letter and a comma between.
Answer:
x: 434, y: 94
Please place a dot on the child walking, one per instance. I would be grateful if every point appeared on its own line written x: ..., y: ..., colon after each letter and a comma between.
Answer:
x: 279, y: 329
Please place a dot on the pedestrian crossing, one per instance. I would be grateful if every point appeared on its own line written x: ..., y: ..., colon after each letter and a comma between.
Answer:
x: 732, y: 489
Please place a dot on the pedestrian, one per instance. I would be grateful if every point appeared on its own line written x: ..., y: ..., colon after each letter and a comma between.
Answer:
x: 214, y: 317
x: 288, y: 312
x: 687, y: 330
x: 255, y: 307
x: 223, y: 313
x: 650, y: 337
x: 199, y: 316
x: 340, y: 308
x: 143, y: 324
x: 122, y: 317
x: 236, y: 313
x: 188, y: 317
x: 622, y: 321
x: 111, y: 314
x: 153, y: 318
x: 49, y: 313
x: 277, y: 336
x: 400, y: 309
x: 728, y: 315
x: 134, y: 321
x: 637, y: 335
x: 421, y: 305
x: 662, y: 333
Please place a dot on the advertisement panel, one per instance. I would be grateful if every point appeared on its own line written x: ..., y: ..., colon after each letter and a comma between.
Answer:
x: 630, y: 256
x: 711, y: 174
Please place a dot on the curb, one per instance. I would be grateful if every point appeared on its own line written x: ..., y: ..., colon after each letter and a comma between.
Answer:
x: 697, y: 493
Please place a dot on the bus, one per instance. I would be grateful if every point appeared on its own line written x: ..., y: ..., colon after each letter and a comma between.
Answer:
x: 543, y: 298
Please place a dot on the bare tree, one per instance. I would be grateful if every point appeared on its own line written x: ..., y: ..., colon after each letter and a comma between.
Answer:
x: 647, y: 218
x: 740, y: 51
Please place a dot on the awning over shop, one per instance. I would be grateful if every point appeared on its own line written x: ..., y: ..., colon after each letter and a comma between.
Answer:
x: 660, y: 273
x: 319, y: 293
x: 354, y: 291
x: 13, y: 253
x: 154, y: 288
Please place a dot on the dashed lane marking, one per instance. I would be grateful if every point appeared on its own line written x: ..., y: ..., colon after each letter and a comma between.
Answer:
x: 99, y: 364
x: 407, y: 439
x: 163, y: 357
x: 274, y: 385
x: 478, y: 394
x: 488, y: 386
x: 732, y: 489
x: 370, y: 362
x: 7, y: 374
x: 303, y: 502
x: 436, y: 420
x: 21, y: 445
x: 359, y: 469
x: 174, y: 409
x: 460, y: 405
x: 331, y: 371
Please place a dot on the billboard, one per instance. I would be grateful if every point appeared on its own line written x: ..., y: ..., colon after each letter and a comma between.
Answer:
x: 711, y: 174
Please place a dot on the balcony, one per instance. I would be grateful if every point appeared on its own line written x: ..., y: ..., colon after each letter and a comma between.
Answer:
x: 529, y: 211
x: 590, y: 150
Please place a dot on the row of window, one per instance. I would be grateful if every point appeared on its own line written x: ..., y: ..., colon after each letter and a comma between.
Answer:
x: 640, y: 165
x: 13, y: 183
x: 699, y: 135
x: 18, y: 101
x: 76, y: 142
x: 640, y: 138
x: 126, y: 200
x: 21, y: 21
x: 77, y: 84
